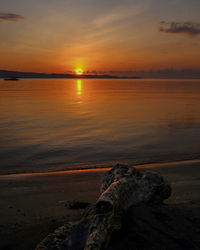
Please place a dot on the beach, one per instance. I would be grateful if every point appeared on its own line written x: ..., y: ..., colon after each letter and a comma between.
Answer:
x: 33, y: 205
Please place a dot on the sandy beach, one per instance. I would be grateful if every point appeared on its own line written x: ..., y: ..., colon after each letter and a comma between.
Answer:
x: 33, y: 205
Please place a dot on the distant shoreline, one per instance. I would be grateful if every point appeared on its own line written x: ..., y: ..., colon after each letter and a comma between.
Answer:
x: 106, y: 78
x: 76, y: 77
x: 4, y: 74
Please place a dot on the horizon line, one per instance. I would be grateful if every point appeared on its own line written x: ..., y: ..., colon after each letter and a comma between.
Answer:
x: 162, y: 70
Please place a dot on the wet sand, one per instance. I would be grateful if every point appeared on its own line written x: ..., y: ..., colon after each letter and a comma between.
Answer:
x: 32, y: 205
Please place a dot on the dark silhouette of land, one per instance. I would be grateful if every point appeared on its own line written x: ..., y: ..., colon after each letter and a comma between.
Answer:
x: 152, y: 74
x: 10, y: 75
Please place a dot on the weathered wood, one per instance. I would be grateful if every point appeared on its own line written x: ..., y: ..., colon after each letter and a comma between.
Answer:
x: 123, y: 187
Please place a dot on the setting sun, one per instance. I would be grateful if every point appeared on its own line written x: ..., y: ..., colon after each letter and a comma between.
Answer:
x: 79, y: 71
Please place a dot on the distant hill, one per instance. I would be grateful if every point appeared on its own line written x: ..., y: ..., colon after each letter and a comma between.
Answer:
x: 16, y: 74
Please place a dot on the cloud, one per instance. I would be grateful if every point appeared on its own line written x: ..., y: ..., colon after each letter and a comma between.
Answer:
x: 10, y: 17
x: 189, y: 28
x: 118, y: 14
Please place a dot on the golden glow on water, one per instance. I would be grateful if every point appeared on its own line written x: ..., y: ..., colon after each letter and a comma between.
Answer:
x: 86, y: 121
x: 79, y: 87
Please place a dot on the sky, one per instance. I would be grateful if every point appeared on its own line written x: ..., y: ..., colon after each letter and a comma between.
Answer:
x: 101, y: 35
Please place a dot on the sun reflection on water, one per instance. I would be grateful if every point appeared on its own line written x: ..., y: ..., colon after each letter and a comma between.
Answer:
x: 79, y: 87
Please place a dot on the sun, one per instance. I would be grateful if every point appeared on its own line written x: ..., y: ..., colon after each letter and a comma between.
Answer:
x: 79, y: 71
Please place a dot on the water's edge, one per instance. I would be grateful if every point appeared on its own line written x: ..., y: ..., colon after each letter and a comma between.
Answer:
x: 100, y: 167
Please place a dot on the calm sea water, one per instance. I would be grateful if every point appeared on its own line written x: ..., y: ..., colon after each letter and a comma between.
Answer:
x: 61, y: 124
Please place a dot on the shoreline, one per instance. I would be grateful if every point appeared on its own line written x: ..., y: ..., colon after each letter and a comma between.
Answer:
x: 32, y: 205
x: 102, y: 167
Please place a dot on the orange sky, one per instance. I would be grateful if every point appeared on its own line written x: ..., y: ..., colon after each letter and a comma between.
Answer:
x: 57, y: 36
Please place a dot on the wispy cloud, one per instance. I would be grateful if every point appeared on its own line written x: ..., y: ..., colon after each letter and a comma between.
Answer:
x: 10, y: 17
x: 189, y: 28
x: 118, y: 14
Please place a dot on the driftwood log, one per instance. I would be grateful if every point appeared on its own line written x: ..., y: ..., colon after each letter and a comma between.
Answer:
x: 123, y: 187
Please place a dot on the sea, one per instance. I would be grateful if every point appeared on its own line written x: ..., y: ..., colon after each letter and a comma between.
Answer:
x: 68, y: 124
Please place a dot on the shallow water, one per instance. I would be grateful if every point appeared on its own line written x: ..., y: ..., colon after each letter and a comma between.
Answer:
x: 61, y: 124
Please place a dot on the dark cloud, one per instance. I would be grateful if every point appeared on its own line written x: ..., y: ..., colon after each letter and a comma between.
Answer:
x: 189, y: 28
x: 10, y: 17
